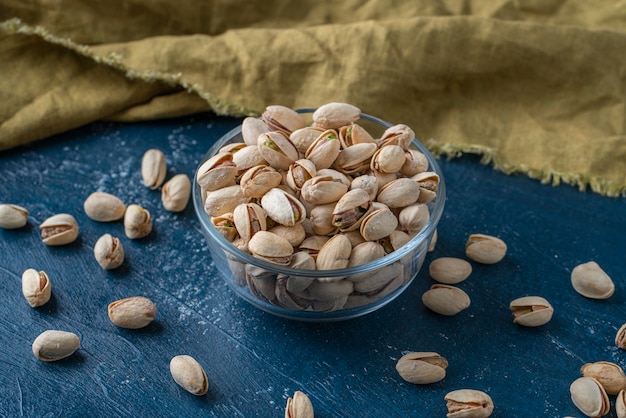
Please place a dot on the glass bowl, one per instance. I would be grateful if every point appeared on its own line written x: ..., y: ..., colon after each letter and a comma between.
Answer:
x: 263, y: 284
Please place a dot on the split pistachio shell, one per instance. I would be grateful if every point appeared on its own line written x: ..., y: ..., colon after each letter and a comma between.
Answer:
x: 109, y: 252
x: 388, y: 159
x: 294, y: 234
x: 258, y: 180
x: 399, y: 134
x: 415, y: 162
x: 189, y: 374
x: 246, y: 158
x: 485, y: 249
x: 299, y: 406
x: 153, y: 168
x: 620, y: 337
x: 378, y: 224
x: 335, y: 115
x: 429, y: 184
x: 224, y: 200
x: 355, y: 158
x: 324, y: 150
x: 414, y: 218
x: 283, y: 207
x: 449, y: 270
x: 350, y: 210
x: 304, y: 137
x: 12, y: 216
x: 59, y: 229
x: 299, y: 172
x: 277, y: 150
x: 335, y: 254
x: 53, y: 345
x: 399, y: 193
x: 367, y: 183
x: 610, y: 375
x: 176, y: 192
x: 589, y: 397
x: 354, y: 134
x: 271, y: 247
x: 282, y: 118
x: 104, y: 207
x: 225, y: 225
x: 422, y: 368
x: 252, y: 128
x: 320, y: 190
x: 132, y: 313
x: 36, y: 287
x: 137, y: 222
x: 321, y: 218
x: 531, y: 311
x: 468, y: 403
x: 620, y: 404
x: 249, y: 218
x: 445, y: 300
x: 591, y: 281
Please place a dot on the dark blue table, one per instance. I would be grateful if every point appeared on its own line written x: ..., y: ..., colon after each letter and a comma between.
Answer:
x: 254, y: 360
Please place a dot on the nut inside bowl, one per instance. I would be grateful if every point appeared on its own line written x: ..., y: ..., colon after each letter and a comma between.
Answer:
x: 295, y: 287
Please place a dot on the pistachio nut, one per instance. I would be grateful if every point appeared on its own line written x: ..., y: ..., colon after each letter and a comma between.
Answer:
x: 59, y: 229
x: 429, y: 184
x: 531, y: 311
x: 399, y: 193
x: 335, y: 115
x: 610, y: 375
x: 294, y: 234
x: 356, y: 158
x: 246, y: 158
x: 355, y: 237
x: 53, y: 345
x: 367, y: 183
x: 232, y: 148
x: 422, y: 368
x: 258, y: 180
x: 252, y: 128
x: 153, y: 168
x: 377, y: 280
x: 225, y: 225
x: 283, y: 207
x: 589, y: 397
x: 320, y: 190
x: 189, y: 374
x: 329, y: 305
x: 350, y: 210
x: 620, y: 337
x: 589, y: 280
x: 324, y: 150
x: 364, y: 253
x: 261, y: 282
x: 445, y: 299
x: 388, y: 159
x: 12, y: 216
x: 321, y: 218
x: 175, y: 193
x: 400, y: 135
x: 415, y: 162
x: 304, y: 137
x: 299, y: 172
x: 378, y: 224
x: 334, y: 254
x: 109, y: 252
x: 249, y: 218
x: 335, y: 175
x: 299, y: 406
x: 224, y: 200
x: 620, y: 404
x: 137, y: 222
x: 132, y: 313
x: 414, y: 217
x: 36, y: 287
x: 283, y: 118
x: 449, y: 270
x: 104, y: 207
x: 330, y: 291
x: 217, y: 172
x: 395, y: 241
x: 313, y: 244
x: 287, y: 299
x: 468, y: 403
x: 485, y: 249
x: 277, y: 150
x: 271, y: 247
x: 354, y: 134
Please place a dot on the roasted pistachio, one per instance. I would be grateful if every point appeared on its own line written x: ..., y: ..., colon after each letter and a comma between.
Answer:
x: 224, y: 200
x: 258, y: 180
x: 335, y: 115
x: 610, y: 375
x: 252, y: 128
x: 485, y: 249
x: 445, y: 300
x: 422, y: 368
x: 109, y: 252
x: 320, y: 190
x: 249, y: 218
x: 591, y: 281
x: 36, y: 287
x: 12, y: 216
x: 449, y: 270
x: 271, y: 247
x: 53, y: 345
x: 104, y: 207
x: 153, y: 168
x: 283, y: 207
x: 354, y: 134
x: 378, y: 224
x: 531, y: 311
x: 281, y: 118
x: 59, y: 229
x: 620, y: 337
x: 277, y: 150
x: 350, y: 210
x: 388, y: 159
x: 399, y: 193
x: 299, y: 406
x: 468, y: 403
x: 189, y: 374
x: 589, y: 397
x: 334, y: 254
x: 132, y: 313
x: 620, y: 404
x: 137, y: 222
x: 324, y: 150
x: 175, y: 193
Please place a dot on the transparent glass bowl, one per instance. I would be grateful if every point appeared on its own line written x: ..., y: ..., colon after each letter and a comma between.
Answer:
x: 253, y: 279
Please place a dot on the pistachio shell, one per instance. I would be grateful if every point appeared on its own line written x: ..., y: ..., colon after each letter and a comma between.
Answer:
x: 378, y: 224
x: 321, y: 217
x: 422, y: 368
x: 334, y: 254
x: 252, y: 128
x: 377, y: 280
x: 277, y: 150
x: 132, y: 313
x: 355, y: 158
x: 323, y: 189
x: 36, y: 287
x: 485, y: 249
x: 304, y: 137
x: 468, y: 403
x: 189, y: 374
x: 299, y: 406
x: 400, y: 135
x: 449, y: 270
x: 429, y: 184
x: 589, y: 397
x: 350, y: 210
x: 335, y: 115
x: 620, y: 404
x: 12, y: 216
x: 282, y: 118
x: 414, y: 217
x: 109, y: 252
x: 399, y: 193
x: 249, y: 218
x: 224, y: 200
x: 620, y: 337
x: 415, y: 162
x: 445, y: 300
x: 295, y: 234
x: 388, y: 159
x: 609, y: 375
x: 271, y: 247
x: 591, y: 281
x: 283, y: 207
x: 531, y: 311
x: 313, y: 244
x: 330, y: 291
x: 59, y: 229
x: 367, y: 183
x: 53, y: 345
x: 104, y: 207
x: 225, y: 225
x: 324, y: 150
x: 175, y: 193
x: 299, y: 172
x: 137, y: 222
x: 354, y: 134
x: 246, y: 158
x: 153, y: 168
x: 217, y: 172
x: 258, y: 180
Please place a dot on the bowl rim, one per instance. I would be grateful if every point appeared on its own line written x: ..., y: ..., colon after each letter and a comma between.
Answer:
x: 436, y: 207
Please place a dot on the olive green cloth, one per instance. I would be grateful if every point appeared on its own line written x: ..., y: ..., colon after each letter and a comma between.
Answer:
x: 535, y: 86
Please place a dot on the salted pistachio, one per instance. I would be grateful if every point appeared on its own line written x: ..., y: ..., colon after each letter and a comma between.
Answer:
x: 449, y: 270
x: 413, y: 218
x: 232, y: 148
x: 137, y: 222
x: 610, y: 375
x: 415, y: 162
x: 531, y: 311
x: 422, y: 368
x: 400, y: 135
x: 324, y: 150
x: 334, y: 254
x: 53, y: 345
x: 261, y: 283
x: 189, y: 374
x: 218, y: 171
x: 295, y: 234
x: 225, y: 225
x: 12, y: 216
x: 287, y: 299
x: 364, y: 253
x: 388, y: 159
x: 429, y: 184
x: 591, y: 281
x: 282, y: 118
x: 620, y: 404
x: 620, y: 337
x: 355, y: 237
x: 175, y: 193
x: 313, y: 244
x: 258, y: 180
x: 468, y: 403
x: 299, y: 172
x: 399, y: 193
x: 277, y: 150
x: 378, y: 224
x: 283, y: 207
x: 330, y: 305
x: 104, y: 207
x: 109, y: 252
x: 382, y: 179
x: 224, y: 200
x: 304, y: 137
x: 485, y: 249
x: 367, y: 183
x: 445, y: 299
x: 377, y: 280
x: 350, y: 210
x: 330, y: 291
x: 252, y: 128
x: 300, y: 261
x: 354, y: 134
x: 394, y: 241
x: 271, y: 247
x: 299, y: 406
x: 356, y: 158
x: 320, y: 190
x: 335, y: 115
x: 589, y: 397
x: 153, y: 168
x: 247, y: 157
x: 59, y: 229
x: 36, y: 287
x: 321, y: 218
x: 132, y: 313
x: 249, y: 218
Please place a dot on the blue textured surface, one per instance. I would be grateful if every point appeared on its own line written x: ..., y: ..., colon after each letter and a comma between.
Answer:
x: 254, y: 361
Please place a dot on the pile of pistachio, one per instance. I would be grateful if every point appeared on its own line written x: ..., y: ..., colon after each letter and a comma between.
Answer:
x: 325, y: 196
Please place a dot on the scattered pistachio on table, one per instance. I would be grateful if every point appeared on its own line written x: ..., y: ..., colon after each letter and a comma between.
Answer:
x: 589, y: 280
x: 620, y: 404
x: 53, y: 345
x: 445, y: 299
x: 60, y: 229
x: 153, y: 168
x: 12, y: 216
x: 485, y: 249
x: 132, y: 313
x: 137, y: 222
x: 620, y: 337
x: 189, y: 374
x: 36, y: 287
x: 609, y: 375
x: 531, y: 311
x: 109, y: 252
x: 175, y: 193
x: 299, y: 406
x: 589, y: 397
x: 422, y: 368
x: 104, y: 207
x: 468, y: 403
x: 449, y: 270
